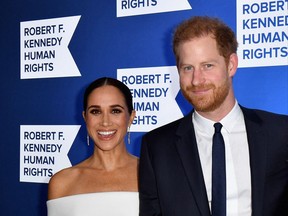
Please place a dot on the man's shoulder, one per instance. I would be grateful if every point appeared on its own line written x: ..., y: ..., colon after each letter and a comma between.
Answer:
x: 264, y: 116
x: 263, y: 113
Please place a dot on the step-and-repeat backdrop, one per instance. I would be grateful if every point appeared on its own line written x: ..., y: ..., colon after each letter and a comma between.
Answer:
x: 51, y: 50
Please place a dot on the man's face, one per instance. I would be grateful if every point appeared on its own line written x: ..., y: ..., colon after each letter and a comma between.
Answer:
x: 204, y: 78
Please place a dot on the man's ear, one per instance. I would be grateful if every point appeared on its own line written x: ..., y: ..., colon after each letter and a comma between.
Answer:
x: 233, y: 64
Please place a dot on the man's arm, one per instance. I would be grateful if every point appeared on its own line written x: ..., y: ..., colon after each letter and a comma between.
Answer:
x: 149, y: 202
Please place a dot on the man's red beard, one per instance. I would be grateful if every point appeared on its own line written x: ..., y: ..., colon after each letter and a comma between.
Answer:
x: 208, y: 102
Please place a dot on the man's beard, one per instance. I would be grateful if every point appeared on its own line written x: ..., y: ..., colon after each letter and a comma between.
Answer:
x: 207, y: 103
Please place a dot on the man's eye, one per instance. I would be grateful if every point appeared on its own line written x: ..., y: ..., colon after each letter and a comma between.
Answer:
x: 187, y: 68
x: 208, y: 65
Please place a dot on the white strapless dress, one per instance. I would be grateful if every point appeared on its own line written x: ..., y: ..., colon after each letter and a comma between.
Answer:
x: 96, y: 204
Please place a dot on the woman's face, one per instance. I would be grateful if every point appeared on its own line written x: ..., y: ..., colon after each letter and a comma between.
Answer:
x: 107, y: 117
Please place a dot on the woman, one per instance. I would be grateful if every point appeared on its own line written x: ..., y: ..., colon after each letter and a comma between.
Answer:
x: 107, y: 182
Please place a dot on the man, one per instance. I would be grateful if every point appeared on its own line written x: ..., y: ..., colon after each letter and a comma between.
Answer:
x: 176, y: 159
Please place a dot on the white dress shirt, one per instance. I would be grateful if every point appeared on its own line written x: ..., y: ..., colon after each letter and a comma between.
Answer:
x: 238, y: 177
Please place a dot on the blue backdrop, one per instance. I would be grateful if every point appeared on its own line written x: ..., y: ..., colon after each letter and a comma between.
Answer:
x: 101, y: 44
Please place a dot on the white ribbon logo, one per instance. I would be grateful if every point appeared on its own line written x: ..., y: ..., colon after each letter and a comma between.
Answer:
x: 133, y: 7
x: 44, y: 48
x: 44, y: 149
x: 154, y: 91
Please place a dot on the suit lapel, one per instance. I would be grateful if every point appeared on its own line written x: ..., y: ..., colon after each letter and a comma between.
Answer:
x: 257, y: 150
x: 188, y: 152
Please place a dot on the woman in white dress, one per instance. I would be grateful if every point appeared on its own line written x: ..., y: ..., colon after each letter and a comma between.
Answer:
x: 106, y: 183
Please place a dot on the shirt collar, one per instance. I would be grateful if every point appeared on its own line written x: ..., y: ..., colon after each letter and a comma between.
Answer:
x: 206, y: 125
x: 233, y: 117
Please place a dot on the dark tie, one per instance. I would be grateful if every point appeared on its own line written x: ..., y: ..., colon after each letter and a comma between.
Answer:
x: 218, y: 173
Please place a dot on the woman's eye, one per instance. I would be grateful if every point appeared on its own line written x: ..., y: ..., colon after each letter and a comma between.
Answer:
x: 94, y: 111
x: 116, y: 111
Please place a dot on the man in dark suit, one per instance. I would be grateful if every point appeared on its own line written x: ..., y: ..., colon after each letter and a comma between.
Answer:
x: 176, y: 159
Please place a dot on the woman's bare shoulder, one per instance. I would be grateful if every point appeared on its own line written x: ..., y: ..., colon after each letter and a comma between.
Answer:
x: 62, y: 181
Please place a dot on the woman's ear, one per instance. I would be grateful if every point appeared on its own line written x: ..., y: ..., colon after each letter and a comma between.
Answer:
x: 84, y: 115
x: 132, y: 116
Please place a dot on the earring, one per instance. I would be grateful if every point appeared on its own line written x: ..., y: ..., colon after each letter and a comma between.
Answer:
x: 129, y: 135
x: 88, y: 140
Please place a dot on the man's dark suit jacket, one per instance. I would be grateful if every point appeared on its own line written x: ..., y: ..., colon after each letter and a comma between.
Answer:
x: 171, y: 179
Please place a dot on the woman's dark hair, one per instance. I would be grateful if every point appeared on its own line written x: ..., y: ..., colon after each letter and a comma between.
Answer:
x: 112, y: 82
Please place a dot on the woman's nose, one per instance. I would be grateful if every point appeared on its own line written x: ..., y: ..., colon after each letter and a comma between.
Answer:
x: 106, y: 121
